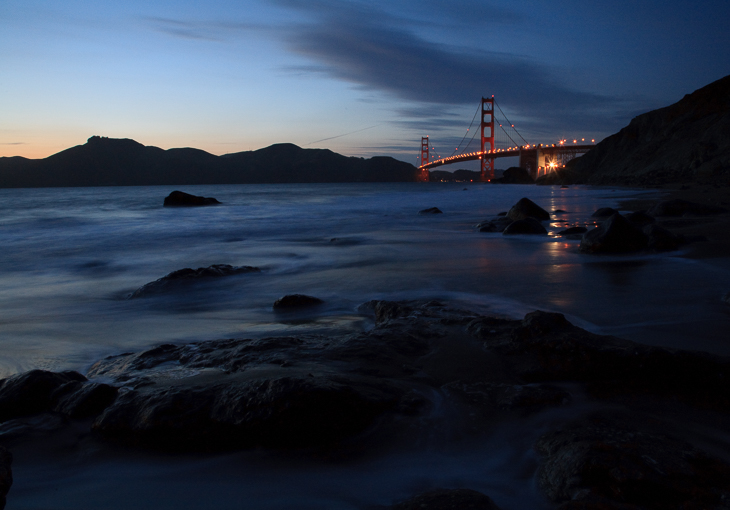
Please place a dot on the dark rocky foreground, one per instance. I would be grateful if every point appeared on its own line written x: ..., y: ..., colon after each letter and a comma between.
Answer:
x: 331, y: 395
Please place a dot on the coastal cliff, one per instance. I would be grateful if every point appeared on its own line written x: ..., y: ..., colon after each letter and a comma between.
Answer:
x: 123, y: 162
x: 688, y: 141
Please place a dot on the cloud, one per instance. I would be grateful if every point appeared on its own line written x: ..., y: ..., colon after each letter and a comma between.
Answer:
x: 214, y: 31
x: 366, y: 46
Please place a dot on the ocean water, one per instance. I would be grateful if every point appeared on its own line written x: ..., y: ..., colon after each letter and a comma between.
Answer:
x: 71, y: 256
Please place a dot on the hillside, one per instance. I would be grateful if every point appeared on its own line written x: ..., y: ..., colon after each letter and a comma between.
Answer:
x: 688, y: 141
x: 124, y: 162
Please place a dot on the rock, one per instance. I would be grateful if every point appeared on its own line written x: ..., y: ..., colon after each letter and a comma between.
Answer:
x: 431, y: 210
x: 6, y: 474
x: 604, y: 212
x: 526, y: 208
x: 559, y: 211
x: 77, y: 399
x: 572, y: 231
x: 181, y: 199
x: 296, y: 301
x: 280, y: 413
x: 502, y: 213
x: 448, y: 499
x: 661, y: 239
x: 525, y: 226
x: 497, y: 224
x: 726, y: 298
x: 679, y: 207
x: 182, y: 277
x: 616, y: 235
x: 387, y: 310
x: 516, y: 175
x: 529, y: 397
x: 597, y: 464
x: 30, y: 392
x: 640, y: 218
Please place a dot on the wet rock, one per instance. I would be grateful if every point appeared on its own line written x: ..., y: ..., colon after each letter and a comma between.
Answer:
x: 616, y: 235
x: 526, y: 208
x: 6, y: 474
x: 604, y: 212
x: 30, y: 392
x: 387, y: 310
x: 679, y: 207
x: 597, y: 464
x: 182, y: 199
x: 291, y: 301
x: 448, y: 499
x: 640, y: 218
x: 497, y: 224
x: 280, y: 413
x: 525, y: 226
x: 559, y: 211
x: 431, y: 210
x: 77, y: 399
x: 573, y: 231
x: 530, y: 397
x: 611, y: 366
x: 661, y: 239
x: 182, y: 277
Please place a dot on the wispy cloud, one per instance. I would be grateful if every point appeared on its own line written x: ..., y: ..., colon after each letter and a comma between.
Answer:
x: 215, y: 31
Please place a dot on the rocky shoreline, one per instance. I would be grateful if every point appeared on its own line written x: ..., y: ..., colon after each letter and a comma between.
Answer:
x: 331, y: 395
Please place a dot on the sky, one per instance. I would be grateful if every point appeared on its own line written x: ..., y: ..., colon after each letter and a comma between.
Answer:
x: 362, y: 78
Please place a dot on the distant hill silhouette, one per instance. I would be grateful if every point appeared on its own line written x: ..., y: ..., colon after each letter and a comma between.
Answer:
x: 685, y: 142
x: 123, y: 162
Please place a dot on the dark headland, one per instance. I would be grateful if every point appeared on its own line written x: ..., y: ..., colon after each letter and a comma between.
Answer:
x: 123, y: 162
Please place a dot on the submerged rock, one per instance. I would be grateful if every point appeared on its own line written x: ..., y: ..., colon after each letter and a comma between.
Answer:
x: 296, y: 301
x: 526, y: 208
x: 448, y: 499
x: 661, y: 239
x: 616, y: 235
x: 573, y: 232
x: 185, y: 276
x: 431, y: 210
x: 182, y: 199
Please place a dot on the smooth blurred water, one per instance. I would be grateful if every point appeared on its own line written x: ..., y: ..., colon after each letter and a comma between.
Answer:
x: 69, y: 258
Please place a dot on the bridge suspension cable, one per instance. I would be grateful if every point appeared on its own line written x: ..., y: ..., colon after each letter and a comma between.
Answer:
x: 467, y: 133
x: 510, y: 123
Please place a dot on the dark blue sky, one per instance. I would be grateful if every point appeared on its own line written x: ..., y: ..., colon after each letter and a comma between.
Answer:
x: 360, y: 78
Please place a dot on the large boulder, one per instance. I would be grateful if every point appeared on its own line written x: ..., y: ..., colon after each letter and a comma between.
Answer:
x: 280, y: 413
x: 181, y: 277
x: 616, y: 235
x: 526, y: 208
x: 525, y: 226
x: 182, y: 199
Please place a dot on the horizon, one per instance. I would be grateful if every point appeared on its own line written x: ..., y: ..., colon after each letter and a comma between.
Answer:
x: 360, y: 79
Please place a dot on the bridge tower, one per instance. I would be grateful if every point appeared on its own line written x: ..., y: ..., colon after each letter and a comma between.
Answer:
x: 424, y: 150
x: 487, y: 138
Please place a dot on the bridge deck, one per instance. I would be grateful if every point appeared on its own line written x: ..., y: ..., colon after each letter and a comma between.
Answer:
x: 552, y: 150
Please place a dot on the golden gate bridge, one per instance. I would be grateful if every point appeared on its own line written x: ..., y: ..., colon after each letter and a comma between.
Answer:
x: 537, y: 159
